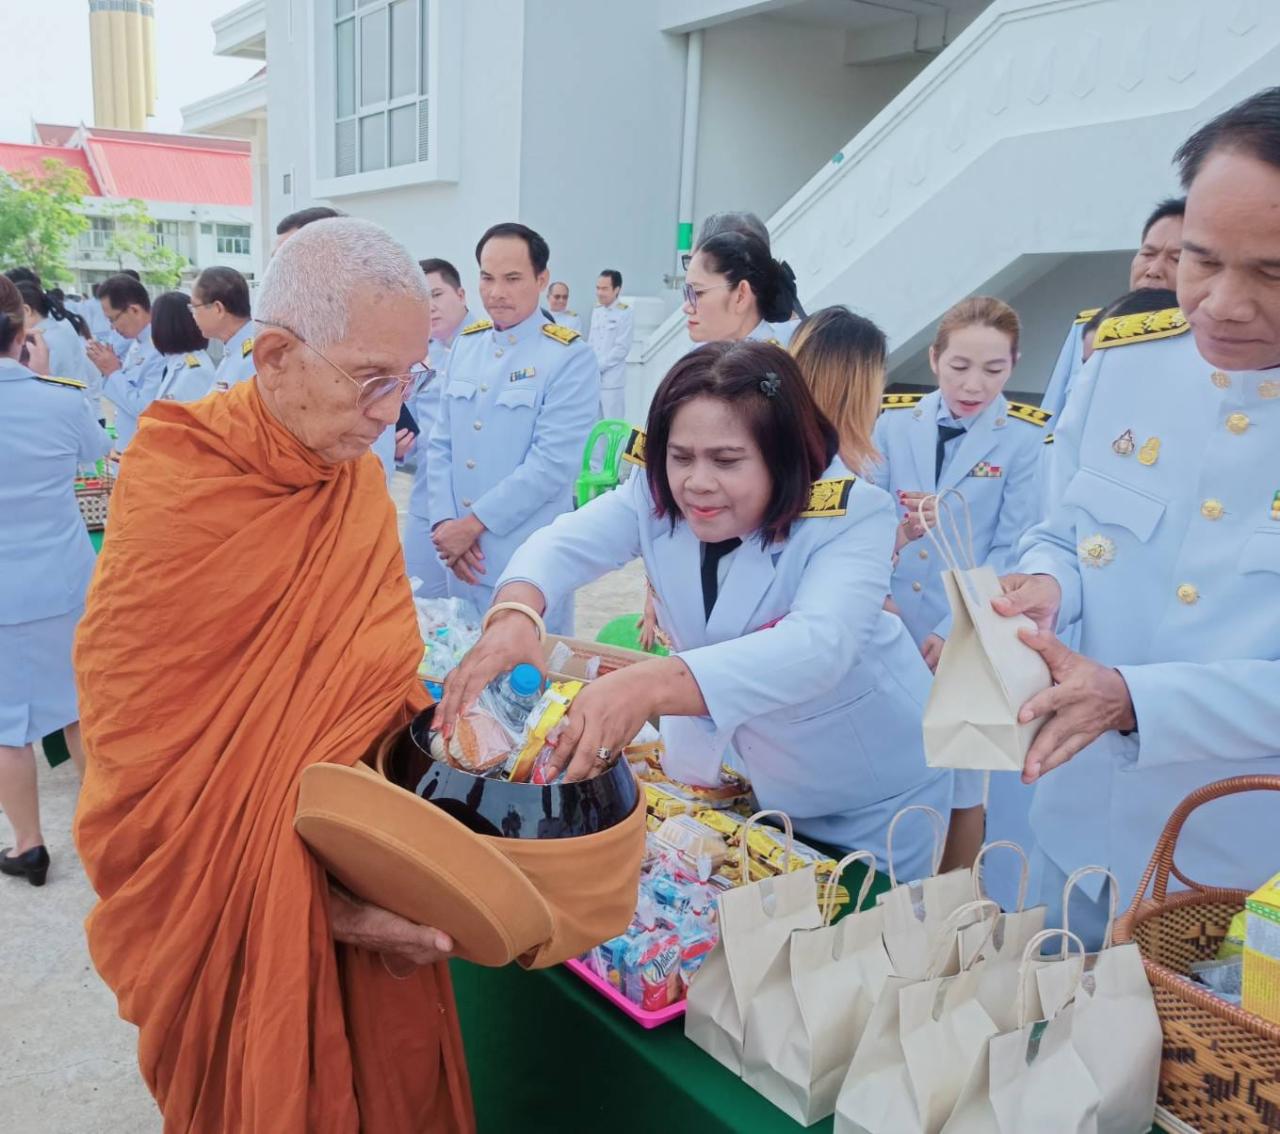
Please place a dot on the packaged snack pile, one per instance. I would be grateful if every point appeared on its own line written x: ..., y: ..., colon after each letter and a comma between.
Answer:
x: 1261, y: 984
x: 449, y: 628
x: 693, y: 854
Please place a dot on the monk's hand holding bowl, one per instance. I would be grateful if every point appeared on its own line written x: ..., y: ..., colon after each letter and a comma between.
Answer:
x: 380, y: 931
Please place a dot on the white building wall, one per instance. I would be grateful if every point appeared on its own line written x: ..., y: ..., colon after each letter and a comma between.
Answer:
x: 600, y: 164
x: 777, y: 102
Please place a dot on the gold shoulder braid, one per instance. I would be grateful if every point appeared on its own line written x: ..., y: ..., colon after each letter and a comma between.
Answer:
x: 69, y: 383
x: 476, y: 327
x: 246, y: 348
x: 900, y: 401
x: 829, y: 497
x: 634, y: 452
x: 1144, y: 327
x: 561, y: 334
x: 1034, y: 414
x: 1087, y: 314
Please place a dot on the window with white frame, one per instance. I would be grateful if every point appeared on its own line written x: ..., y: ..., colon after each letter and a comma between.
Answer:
x: 99, y: 233
x: 233, y: 239
x: 168, y: 234
x: 380, y: 84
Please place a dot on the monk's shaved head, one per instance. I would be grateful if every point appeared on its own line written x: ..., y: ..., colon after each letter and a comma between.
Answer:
x: 318, y: 274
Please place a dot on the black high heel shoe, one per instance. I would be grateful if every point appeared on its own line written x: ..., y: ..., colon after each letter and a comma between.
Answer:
x: 33, y: 865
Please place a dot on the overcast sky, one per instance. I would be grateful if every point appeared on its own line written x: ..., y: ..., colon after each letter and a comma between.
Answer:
x: 47, y: 75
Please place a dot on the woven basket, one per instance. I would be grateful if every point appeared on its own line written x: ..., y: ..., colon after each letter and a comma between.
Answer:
x: 93, y: 495
x: 1221, y: 1066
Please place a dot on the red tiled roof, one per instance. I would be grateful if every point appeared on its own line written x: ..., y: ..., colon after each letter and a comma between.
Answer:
x: 15, y: 157
x: 171, y: 172
x: 51, y: 135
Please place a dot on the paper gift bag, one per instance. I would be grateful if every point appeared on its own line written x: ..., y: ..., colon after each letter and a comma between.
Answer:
x: 986, y: 672
x: 915, y: 913
x: 806, y: 1019
x: 922, y: 1039
x: 1013, y: 928
x: 1030, y: 1077
x: 755, y: 921
x: 1117, y: 1029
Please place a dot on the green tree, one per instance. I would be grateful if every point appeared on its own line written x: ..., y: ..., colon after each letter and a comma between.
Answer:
x: 133, y: 244
x: 40, y: 218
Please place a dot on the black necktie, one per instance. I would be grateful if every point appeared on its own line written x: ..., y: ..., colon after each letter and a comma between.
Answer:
x: 945, y: 434
x: 712, y: 553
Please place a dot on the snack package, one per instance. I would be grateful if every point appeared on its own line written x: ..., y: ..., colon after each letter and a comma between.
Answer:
x: 479, y: 744
x: 547, y: 713
x: 697, y: 846
x: 1233, y: 944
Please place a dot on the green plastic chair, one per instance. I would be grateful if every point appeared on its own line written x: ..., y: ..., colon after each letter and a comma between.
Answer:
x: 624, y: 633
x: 596, y: 482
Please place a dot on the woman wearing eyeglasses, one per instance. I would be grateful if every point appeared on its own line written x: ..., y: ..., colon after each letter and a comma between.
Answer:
x: 770, y: 561
x: 734, y: 289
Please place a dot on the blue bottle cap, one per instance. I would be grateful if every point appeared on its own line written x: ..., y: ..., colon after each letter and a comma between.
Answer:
x: 525, y: 680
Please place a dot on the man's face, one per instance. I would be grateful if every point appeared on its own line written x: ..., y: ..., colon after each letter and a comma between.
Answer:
x: 509, y: 287
x: 315, y: 402
x: 208, y: 316
x: 1156, y: 263
x: 129, y: 322
x: 448, y: 307
x: 606, y: 293
x: 1229, y: 275
x: 558, y: 297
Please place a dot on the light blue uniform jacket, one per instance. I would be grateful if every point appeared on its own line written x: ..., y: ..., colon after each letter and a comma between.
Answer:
x: 237, y: 359
x: 186, y: 378
x: 817, y: 689
x: 1067, y: 366
x: 133, y: 387
x: 46, y: 558
x: 1168, y: 554
x: 515, y: 412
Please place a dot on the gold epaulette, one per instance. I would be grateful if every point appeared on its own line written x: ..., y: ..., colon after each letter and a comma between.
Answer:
x: 561, y: 334
x: 622, y: 306
x: 476, y: 327
x: 900, y: 401
x: 634, y: 452
x: 1146, y: 326
x: 1033, y: 414
x: 246, y: 347
x: 192, y: 362
x: 829, y: 497
x: 1087, y: 314
x: 71, y: 383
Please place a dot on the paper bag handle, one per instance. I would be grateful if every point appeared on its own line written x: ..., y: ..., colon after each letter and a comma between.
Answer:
x: 978, y: 890
x: 937, y: 533
x: 829, y: 894
x: 939, y: 837
x: 990, y: 913
x: 787, y: 846
x: 1026, y: 968
x: 1113, y: 896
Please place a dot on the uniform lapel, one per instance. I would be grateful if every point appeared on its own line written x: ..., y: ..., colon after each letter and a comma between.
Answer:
x: 678, y: 579
x: 978, y: 441
x: 750, y: 574
x: 922, y: 430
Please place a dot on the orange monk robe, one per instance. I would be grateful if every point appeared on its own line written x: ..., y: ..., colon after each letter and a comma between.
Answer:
x: 250, y: 616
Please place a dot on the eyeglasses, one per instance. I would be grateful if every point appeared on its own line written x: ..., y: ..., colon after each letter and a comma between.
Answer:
x: 691, y: 297
x: 196, y: 307
x: 368, y: 390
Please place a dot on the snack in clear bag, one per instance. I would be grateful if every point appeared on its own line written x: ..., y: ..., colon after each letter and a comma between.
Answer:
x: 546, y: 715
x: 479, y: 744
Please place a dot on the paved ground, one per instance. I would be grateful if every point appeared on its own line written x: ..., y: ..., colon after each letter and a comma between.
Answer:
x: 67, y: 1062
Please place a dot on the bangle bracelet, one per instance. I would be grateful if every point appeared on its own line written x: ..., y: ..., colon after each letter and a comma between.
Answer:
x: 527, y: 611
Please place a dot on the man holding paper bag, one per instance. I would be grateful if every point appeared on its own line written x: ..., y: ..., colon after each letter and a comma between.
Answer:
x: 1165, y: 547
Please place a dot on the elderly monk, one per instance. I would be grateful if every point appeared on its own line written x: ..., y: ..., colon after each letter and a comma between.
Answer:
x: 250, y: 616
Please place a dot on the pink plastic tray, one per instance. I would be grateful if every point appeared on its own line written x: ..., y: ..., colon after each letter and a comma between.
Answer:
x: 639, y: 1015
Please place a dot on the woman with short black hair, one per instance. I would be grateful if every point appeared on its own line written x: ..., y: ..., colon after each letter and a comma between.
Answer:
x: 769, y: 562
x: 188, y: 370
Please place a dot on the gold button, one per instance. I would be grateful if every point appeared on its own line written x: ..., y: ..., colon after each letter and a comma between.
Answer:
x: 484, y: 389
x: 924, y: 554
x: 1238, y: 422
x: 471, y: 464
x: 466, y: 503
x: 917, y: 587
x: 1222, y: 381
x: 477, y: 425
x: 1188, y: 594
x: 1211, y: 509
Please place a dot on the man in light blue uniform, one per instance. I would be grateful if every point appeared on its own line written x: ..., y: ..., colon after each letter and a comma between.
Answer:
x: 449, y: 314
x: 129, y: 386
x: 1154, y: 265
x: 220, y: 305
x: 520, y: 399
x: 1165, y: 547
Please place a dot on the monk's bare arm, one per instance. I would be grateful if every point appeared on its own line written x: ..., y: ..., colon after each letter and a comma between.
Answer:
x: 380, y: 931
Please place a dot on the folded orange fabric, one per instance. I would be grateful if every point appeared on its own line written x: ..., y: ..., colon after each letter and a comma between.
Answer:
x: 249, y: 617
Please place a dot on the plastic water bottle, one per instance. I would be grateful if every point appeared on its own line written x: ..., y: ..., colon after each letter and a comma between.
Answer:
x: 513, y: 696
